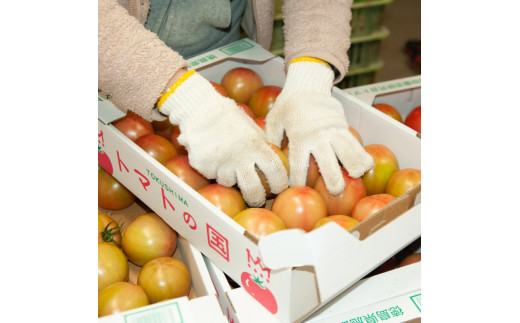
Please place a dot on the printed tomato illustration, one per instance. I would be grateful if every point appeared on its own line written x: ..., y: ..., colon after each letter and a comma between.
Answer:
x: 253, y: 285
x: 104, y: 162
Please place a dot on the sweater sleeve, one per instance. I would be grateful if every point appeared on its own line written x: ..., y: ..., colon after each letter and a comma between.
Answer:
x: 319, y: 29
x: 134, y: 65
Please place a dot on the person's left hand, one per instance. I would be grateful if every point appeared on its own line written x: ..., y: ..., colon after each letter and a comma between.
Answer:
x: 315, y: 123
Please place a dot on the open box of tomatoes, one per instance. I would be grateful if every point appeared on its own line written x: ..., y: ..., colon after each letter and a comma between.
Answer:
x: 164, y: 279
x: 291, y: 272
x: 399, y: 99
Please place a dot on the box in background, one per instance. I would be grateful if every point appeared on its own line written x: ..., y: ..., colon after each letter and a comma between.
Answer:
x: 200, y: 306
x: 404, y: 94
x: 309, y: 271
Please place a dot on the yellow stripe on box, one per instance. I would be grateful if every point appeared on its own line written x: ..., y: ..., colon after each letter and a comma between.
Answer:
x: 172, y: 88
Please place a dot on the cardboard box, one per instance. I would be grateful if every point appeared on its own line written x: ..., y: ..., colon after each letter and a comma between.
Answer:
x: 404, y: 94
x: 300, y: 271
x: 200, y: 306
x: 393, y: 296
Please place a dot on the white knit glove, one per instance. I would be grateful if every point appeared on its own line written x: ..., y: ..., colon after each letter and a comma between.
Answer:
x: 315, y: 123
x: 222, y: 141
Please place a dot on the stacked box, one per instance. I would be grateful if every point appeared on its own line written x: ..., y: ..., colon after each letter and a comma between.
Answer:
x: 312, y: 268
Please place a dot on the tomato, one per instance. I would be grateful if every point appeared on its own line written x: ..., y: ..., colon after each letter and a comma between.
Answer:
x: 120, y: 297
x: 313, y: 172
x: 227, y: 199
x: 112, y: 195
x: 410, y: 259
x: 385, y: 164
x: 263, y: 99
x: 148, y: 237
x: 413, y: 119
x: 356, y: 134
x: 158, y: 147
x: 389, y: 111
x: 403, y: 180
x: 253, y: 286
x: 176, y: 132
x: 370, y: 205
x: 285, y: 163
x: 163, y: 128
x: 164, y: 278
x: 219, y: 88
x: 109, y: 230
x: 259, y: 221
x: 246, y: 109
x: 112, y: 265
x: 133, y: 126
x: 343, y: 203
x: 240, y: 83
x: 344, y: 221
x: 180, y: 166
x: 300, y: 207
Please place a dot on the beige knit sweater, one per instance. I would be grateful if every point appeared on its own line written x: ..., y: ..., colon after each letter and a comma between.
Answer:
x: 134, y: 65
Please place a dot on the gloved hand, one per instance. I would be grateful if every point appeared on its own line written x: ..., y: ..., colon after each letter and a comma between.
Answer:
x: 222, y: 141
x: 315, y: 123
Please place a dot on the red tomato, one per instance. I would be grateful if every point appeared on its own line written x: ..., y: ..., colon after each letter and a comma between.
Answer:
x: 112, y: 195
x: 180, y: 166
x: 253, y: 286
x: 133, y: 126
x: 413, y: 119
x: 120, y: 297
x: 313, y: 172
x: 227, y: 199
x: 355, y: 133
x: 156, y: 146
x: 385, y: 165
x: 300, y: 207
x: 343, y: 203
x: 246, y: 109
x: 220, y: 89
x: 164, y: 278
x: 181, y: 150
x: 403, y: 180
x: 240, y: 83
x: 344, y: 221
x: 148, y: 237
x: 108, y: 230
x: 259, y: 222
x: 263, y: 99
x: 370, y: 205
x: 163, y: 128
x: 389, y: 111
x: 112, y: 265
x: 410, y: 259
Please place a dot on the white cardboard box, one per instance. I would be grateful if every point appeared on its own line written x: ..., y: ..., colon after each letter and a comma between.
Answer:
x: 393, y: 296
x: 300, y: 271
x: 404, y: 94
x: 200, y: 306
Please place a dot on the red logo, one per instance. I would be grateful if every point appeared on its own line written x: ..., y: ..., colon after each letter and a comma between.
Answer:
x: 218, y: 242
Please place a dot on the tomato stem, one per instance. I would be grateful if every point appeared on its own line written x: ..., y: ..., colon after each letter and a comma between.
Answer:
x: 108, y: 234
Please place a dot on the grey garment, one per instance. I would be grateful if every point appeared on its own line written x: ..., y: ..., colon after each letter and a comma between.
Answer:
x: 192, y: 27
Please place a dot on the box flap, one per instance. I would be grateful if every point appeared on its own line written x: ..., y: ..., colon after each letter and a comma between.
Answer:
x: 244, y: 49
x: 287, y: 248
x: 107, y: 111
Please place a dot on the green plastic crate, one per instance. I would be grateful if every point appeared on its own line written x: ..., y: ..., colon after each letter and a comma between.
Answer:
x: 367, y: 16
x: 364, y: 50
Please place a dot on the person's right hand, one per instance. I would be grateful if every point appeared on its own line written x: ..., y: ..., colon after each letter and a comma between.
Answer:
x: 222, y: 141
